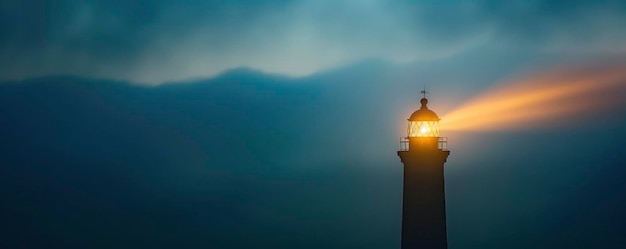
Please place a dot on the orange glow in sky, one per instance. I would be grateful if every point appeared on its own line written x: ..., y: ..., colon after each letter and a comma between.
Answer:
x: 549, y: 97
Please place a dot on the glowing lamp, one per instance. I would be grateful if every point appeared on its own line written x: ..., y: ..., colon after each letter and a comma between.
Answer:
x: 423, y: 122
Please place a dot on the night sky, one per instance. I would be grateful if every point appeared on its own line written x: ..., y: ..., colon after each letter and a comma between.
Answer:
x: 275, y: 124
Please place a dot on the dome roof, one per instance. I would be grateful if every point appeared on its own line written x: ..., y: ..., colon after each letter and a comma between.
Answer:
x: 424, y: 114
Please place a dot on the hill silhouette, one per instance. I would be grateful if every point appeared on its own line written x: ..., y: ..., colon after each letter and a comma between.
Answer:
x: 101, y: 164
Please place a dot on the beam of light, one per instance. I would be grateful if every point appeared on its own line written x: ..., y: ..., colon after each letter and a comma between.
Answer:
x: 551, y: 97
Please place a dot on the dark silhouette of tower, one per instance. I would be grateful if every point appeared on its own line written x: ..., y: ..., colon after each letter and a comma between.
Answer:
x: 423, y: 154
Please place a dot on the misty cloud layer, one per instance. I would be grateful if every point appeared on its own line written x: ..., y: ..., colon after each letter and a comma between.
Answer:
x: 158, y: 41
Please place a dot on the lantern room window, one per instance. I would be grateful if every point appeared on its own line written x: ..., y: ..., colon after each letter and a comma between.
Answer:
x: 423, y: 122
x: 423, y: 129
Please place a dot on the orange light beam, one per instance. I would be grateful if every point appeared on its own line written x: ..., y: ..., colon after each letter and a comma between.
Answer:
x: 539, y: 99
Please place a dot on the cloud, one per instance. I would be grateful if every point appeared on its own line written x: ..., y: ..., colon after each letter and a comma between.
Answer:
x: 166, y: 40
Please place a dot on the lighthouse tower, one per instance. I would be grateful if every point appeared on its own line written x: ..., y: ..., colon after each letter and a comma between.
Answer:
x: 423, y: 154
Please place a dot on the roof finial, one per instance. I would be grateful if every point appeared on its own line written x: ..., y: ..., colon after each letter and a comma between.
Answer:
x: 424, y: 101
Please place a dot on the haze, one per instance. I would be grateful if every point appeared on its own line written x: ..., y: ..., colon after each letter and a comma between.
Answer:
x: 275, y: 124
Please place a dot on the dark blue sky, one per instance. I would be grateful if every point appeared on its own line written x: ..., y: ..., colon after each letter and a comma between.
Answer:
x: 279, y: 121
x: 163, y: 40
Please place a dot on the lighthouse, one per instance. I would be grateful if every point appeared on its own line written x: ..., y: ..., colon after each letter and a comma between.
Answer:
x: 423, y: 153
